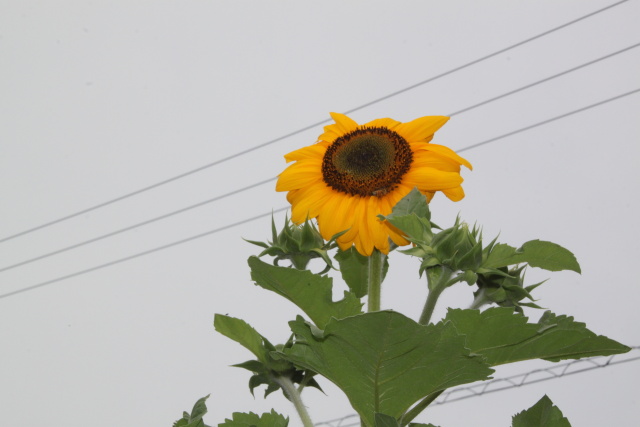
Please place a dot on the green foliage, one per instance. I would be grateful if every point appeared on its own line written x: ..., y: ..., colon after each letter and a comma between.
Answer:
x: 384, y: 361
x: 502, y: 336
x: 537, y: 253
x: 382, y: 420
x: 267, y: 370
x: 312, y: 293
x: 354, y: 268
x: 542, y: 414
x: 298, y: 244
x: 268, y: 419
x: 195, y: 418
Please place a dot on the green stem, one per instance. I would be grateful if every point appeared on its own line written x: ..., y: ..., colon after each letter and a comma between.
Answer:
x: 421, y: 406
x: 376, y: 262
x: 438, y: 281
x: 479, y: 301
x: 429, y: 306
x: 292, y: 393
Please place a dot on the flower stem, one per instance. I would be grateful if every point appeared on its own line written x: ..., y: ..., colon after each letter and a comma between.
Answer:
x: 438, y: 281
x: 376, y: 262
x: 479, y: 301
x: 293, y: 395
x: 421, y: 406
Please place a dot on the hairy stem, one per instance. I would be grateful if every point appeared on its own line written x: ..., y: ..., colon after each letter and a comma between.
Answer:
x: 376, y: 262
x: 293, y: 395
x: 429, y: 306
x: 421, y: 406
x: 438, y: 279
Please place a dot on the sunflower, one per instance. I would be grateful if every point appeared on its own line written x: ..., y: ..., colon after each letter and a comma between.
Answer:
x: 356, y: 172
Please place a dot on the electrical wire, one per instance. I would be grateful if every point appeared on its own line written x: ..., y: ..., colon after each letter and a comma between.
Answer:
x: 311, y: 126
x: 207, y: 233
x: 139, y: 254
x: 257, y: 184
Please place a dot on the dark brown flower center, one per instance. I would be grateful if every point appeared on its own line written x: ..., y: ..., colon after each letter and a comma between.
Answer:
x: 367, y: 162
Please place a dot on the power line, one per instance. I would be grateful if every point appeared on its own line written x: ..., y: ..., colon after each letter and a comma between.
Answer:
x: 140, y: 254
x: 553, y: 119
x: 311, y: 126
x: 188, y: 239
x: 134, y: 226
x: 257, y: 184
x: 500, y: 384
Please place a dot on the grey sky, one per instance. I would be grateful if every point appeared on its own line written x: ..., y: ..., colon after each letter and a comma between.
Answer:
x: 99, y: 99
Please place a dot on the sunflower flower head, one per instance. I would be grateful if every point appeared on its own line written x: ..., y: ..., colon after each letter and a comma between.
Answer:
x: 356, y: 172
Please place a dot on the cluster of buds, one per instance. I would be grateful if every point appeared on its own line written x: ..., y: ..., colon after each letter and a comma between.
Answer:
x: 298, y: 244
x: 459, y: 250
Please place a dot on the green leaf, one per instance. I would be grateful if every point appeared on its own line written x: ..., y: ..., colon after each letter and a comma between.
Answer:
x: 382, y: 420
x: 195, y: 418
x: 542, y: 414
x: 413, y: 203
x: 536, y: 253
x: 311, y: 292
x: 354, y: 268
x: 240, y: 331
x: 503, y: 336
x: 268, y: 419
x: 384, y: 361
x: 411, y: 215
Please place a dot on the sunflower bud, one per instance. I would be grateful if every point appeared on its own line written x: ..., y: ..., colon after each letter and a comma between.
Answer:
x: 297, y: 243
x: 505, y: 287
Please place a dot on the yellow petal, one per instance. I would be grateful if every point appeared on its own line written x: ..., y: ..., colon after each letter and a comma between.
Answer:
x: 363, y: 240
x: 382, y: 123
x: 454, y: 194
x: 344, y: 123
x: 334, y: 216
x: 430, y: 179
x: 422, y: 128
x: 299, y: 175
x: 447, y: 152
x: 315, y: 151
x: 424, y: 158
x: 307, y: 202
x: 378, y: 230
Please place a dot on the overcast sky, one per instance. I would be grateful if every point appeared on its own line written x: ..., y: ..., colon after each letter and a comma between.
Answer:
x: 99, y: 99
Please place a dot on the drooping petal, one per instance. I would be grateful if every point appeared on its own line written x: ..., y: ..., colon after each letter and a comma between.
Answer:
x: 454, y: 194
x: 422, y: 128
x: 335, y: 215
x: 307, y: 202
x: 379, y: 233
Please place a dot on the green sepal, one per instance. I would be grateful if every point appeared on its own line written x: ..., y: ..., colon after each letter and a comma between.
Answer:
x: 354, y: 268
x: 385, y: 362
x: 502, y: 336
x: 268, y: 419
x: 195, y: 418
x: 310, y: 292
x: 542, y: 414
